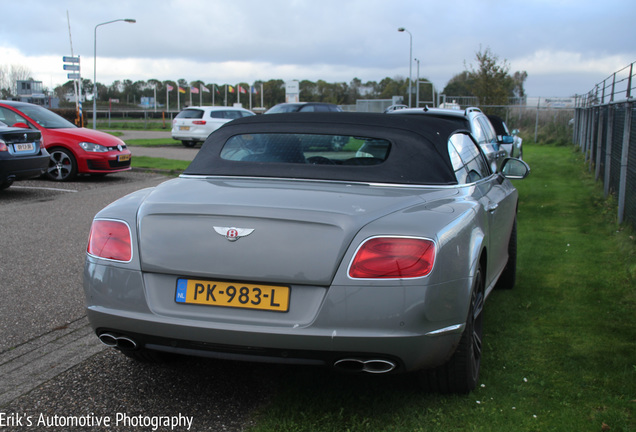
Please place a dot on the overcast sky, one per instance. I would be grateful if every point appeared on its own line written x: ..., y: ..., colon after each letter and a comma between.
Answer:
x: 565, y: 46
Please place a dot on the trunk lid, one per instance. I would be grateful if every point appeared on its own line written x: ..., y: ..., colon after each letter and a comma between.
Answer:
x: 299, y: 230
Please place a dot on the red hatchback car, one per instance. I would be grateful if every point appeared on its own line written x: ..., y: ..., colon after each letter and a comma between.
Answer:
x: 73, y: 150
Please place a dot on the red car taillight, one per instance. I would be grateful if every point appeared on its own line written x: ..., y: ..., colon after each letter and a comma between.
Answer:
x: 198, y: 122
x: 393, y: 258
x: 110, y: 239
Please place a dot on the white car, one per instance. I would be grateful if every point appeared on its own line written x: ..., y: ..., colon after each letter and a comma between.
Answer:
x: 195, y: 124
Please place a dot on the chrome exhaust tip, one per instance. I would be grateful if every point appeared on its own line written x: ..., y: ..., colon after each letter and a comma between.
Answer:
x: 121, y: 342
x: 373, y: 366
x: 108, y: 339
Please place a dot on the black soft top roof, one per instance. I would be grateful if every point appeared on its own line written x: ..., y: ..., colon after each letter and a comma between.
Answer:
x: 418, y: 155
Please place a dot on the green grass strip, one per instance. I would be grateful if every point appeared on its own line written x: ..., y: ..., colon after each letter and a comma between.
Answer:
x: 152, y: 163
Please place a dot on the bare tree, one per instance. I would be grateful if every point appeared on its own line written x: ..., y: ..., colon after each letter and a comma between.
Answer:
x: 9, y: 77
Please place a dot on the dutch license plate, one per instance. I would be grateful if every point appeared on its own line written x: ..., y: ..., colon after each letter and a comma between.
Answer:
x: 123, y: 158
x: 23, y: 147
x: 184, y: 127
x: 233, y: 294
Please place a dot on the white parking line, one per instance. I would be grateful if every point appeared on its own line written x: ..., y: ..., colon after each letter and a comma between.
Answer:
x: 44, y: 188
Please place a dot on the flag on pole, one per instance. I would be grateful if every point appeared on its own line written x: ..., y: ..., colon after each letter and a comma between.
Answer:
x: 170, y: 88
x: 230, y: 89
x: 194, y: 90
x: 205, y: 89
x: 217, y: 89
x: 181, y: 90
x: 242, y: 90
x: 254, y: 90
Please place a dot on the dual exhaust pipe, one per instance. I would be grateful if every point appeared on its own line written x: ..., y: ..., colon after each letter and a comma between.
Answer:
x: 116, y: 341
x: 373, y: 366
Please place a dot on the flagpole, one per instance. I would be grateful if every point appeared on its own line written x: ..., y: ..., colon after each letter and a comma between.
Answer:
x: 225, y: 94
x: 178, y: 97
x: 200, y: 96
x: 251, y: 87
x: 167, y: 98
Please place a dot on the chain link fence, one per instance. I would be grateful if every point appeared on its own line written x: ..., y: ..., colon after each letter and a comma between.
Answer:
x: 604, y: 130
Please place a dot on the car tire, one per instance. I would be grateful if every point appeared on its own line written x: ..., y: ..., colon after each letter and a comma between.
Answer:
x: 461, y: 373
x: 62, y: 165
x: 509, y: 275
x: 189, y: 144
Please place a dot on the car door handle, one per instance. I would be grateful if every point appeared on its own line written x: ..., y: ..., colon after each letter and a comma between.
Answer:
x: 491, y: 207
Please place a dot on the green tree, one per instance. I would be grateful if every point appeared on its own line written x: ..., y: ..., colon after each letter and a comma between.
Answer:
x: 490, y: 80
x: 459, y: 85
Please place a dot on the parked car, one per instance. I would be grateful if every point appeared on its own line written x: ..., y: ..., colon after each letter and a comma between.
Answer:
x: 72, y: 150
x: 264, y: 251
x: 21, y: 155
x: 394, y: 108
x: 510, y: 141
x: 194, y: 124
x: 303, y: 107
x: 476, y: 122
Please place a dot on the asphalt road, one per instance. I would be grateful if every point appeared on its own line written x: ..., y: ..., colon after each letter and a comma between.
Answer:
x: 53, y: 369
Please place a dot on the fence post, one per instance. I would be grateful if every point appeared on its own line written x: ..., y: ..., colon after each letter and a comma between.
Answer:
x: 599, y: 144
x: 622, y: 191
x: 536, y: 122
x: 594, y: 123
x: 608, y: 149
x: 588, y: 132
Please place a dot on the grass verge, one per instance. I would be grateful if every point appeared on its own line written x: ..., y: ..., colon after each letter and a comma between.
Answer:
x: 171, y: 166
x: 559, y: 349
x: 154, y: 142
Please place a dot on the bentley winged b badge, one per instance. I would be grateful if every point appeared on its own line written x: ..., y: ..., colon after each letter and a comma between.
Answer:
x: 232, y: 233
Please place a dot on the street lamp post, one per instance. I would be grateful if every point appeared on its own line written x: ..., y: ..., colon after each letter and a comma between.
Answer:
x: 128, y: 20
x: 417, y: 85
x: 402, y: 29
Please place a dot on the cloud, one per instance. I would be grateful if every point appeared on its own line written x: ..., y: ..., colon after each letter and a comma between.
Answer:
x: 544, y: 62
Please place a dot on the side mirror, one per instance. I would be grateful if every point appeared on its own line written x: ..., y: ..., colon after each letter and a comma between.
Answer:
x: 21, y: 125
x: 515, y: 169
x: 507, y: 139
x: 515, y: 131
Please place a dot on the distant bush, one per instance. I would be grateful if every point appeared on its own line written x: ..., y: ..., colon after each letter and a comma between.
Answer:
x: 69, y: 114
x: 552, y: 126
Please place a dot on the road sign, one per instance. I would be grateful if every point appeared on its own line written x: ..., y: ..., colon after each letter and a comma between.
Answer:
x: 72, y: 67
x: 73, y: 76
x: 67, y: 59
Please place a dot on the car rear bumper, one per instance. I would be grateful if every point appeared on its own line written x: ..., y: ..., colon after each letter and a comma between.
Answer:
x: 321, y: 329
x: 308, y: 346
x: 23, y: 167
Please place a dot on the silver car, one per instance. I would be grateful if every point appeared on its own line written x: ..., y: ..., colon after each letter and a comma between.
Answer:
x: 477, y: 122
x: 268, y: 249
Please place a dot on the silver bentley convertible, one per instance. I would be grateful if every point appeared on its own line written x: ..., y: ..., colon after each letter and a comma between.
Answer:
x: 375, y: 255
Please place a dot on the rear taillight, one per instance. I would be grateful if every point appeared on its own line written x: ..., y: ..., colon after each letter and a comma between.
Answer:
x: 393, y: 258
x: 198, y: 122
x: 110, y: 239
x: 3, y: 146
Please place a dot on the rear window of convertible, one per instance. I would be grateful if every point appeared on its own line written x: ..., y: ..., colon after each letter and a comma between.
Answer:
x: 306, y: 149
